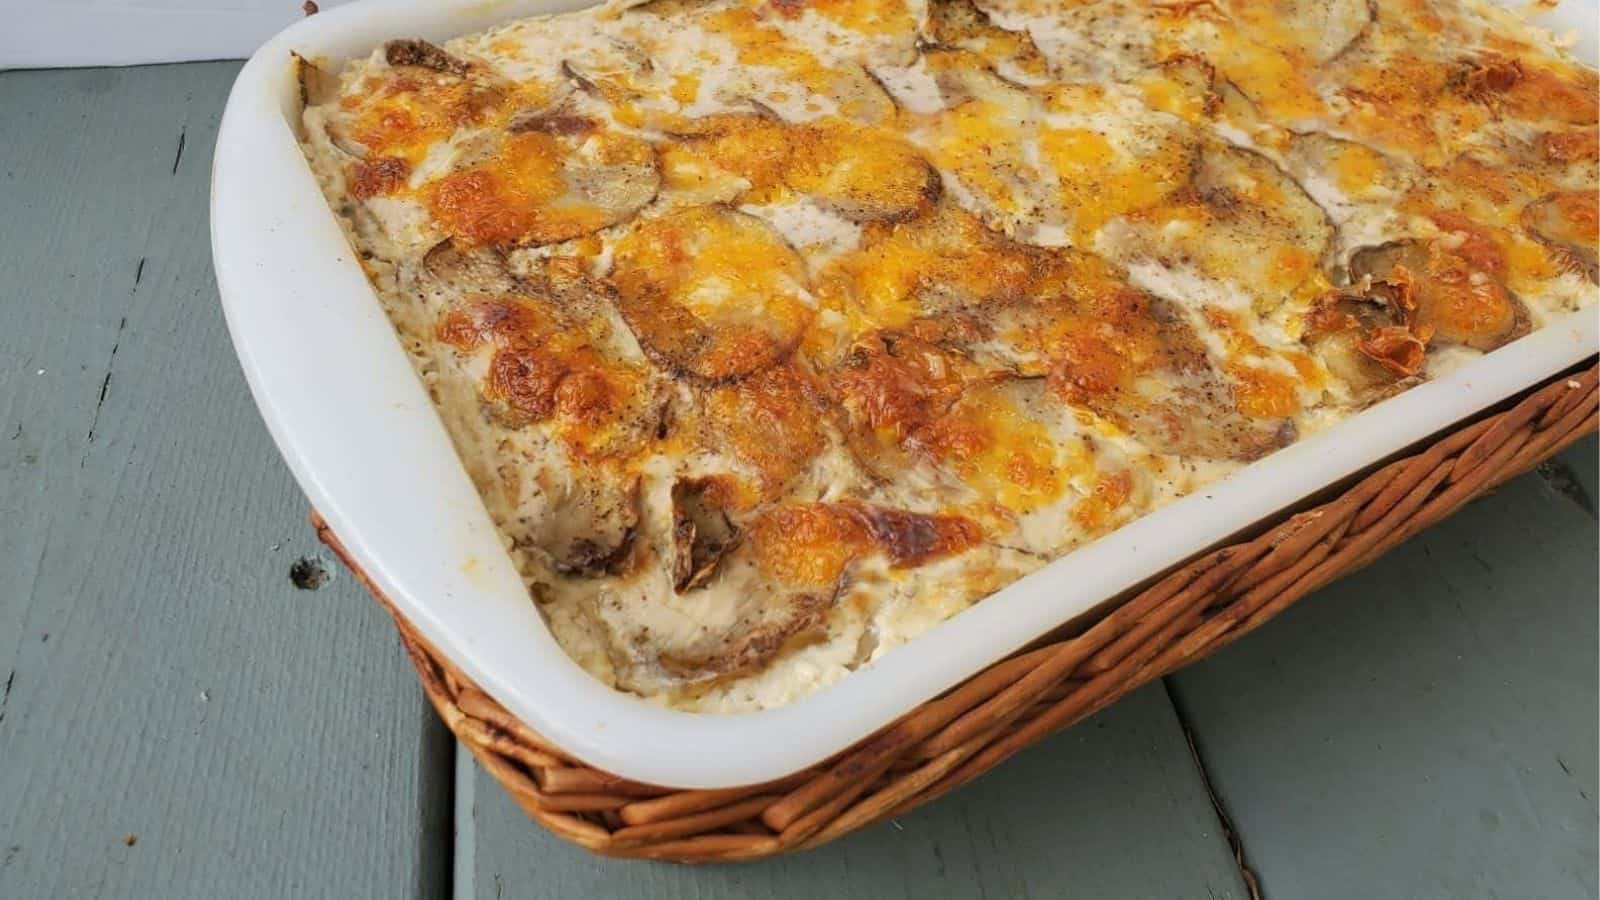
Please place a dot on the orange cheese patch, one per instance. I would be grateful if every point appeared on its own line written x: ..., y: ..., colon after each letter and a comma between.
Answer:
x: 711, y: 292
x: 813, y: 543
x: 404, y: 116
x: 526, y: 193
x: 1097, y: 511
x: 1007, y: 458
x: 767, y: 303
x: 504, y: 199
x: 546, y: 370
x: 1100, y: 181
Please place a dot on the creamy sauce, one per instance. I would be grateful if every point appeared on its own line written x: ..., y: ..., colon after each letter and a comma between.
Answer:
x: 776, y: 333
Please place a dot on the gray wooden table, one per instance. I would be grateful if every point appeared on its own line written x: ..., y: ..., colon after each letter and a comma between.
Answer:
x: 179, y: 719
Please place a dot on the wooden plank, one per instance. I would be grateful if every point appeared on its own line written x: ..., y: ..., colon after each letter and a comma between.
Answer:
x: 1425, y: 728
x: 1572, y: 475
x: 178, y: 719
x: 1112, y: 808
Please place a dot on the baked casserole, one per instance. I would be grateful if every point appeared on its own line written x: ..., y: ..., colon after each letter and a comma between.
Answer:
x: 774, y: 332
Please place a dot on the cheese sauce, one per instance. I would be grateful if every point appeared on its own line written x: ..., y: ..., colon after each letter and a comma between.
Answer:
x: 775, y: 332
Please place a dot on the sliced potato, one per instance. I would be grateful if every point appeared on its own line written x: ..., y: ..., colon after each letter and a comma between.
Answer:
x: 964, y: 75
x: 938, y: 264
x: 1258, y: 203
x: 711, y: 293
x: 702, y: 532
x: 1242, y: 225
x: 612, y: 70
x: 1323, y: 29
x: 405, y: 121
x: 860, y: 96
x: 800, y: 80
x: 546, y: 351
x: 1457, y: 293
x: 1357, y: 172
x: 983, y: 142
x: 777, y: 582
x: 771, y: 424
x: 947, y: 281
x: 1198, y: 417
x: 546, y: 186
x: 1127, y: 355
x: 1371, y: 343
x: 580, y: 518
x: 1156, y: 379
x: 979, y: 308
x: 782, y: 580
x: 593, y: 532
x: 909, y: 539
x: 768, y: 617
x: 316, y: 86
x: 1569, y: 224
x: 753, y: 146
x: 601, y: 406
x: 1184, y: 85
x: 467, y: 271
x: 1017, y: 449
x: 961, y: 23
x: 1236, y: 108
x: 554, y: 121
x: 888, y: 388
x: 863, y: 175
x: 473, y: 295
x: 423, y: 97
x: 1102, y: 175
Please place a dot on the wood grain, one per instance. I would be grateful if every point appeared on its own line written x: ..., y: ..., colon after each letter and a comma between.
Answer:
x: 178, y: 719
x: 1425, y: 728
x: 1080, y: 815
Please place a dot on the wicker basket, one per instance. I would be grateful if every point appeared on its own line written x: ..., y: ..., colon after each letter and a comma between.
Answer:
x: 1206, y: 604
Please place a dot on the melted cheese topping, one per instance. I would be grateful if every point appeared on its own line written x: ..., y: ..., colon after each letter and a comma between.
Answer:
x: 776, y: 331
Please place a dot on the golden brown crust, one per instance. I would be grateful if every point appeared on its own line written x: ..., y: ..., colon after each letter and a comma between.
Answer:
x: 385, y: 175
x: 1568, y: 222
x: 775, y: 331
x: 774, y: 422
x: 546, y: 185
x: 711, y: 293
x: 961, y: 23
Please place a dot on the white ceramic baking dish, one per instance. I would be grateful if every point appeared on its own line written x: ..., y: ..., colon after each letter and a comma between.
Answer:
x: 358, y: 431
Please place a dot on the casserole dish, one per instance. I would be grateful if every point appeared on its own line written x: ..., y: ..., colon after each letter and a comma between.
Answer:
x: 361, y: 436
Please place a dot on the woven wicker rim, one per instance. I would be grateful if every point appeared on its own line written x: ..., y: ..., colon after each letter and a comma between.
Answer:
x: 1206, y: 604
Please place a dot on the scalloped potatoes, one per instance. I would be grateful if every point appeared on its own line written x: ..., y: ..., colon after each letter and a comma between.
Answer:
x: 774, y: 333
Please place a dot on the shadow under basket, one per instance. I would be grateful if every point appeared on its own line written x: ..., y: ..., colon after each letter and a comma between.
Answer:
x: 1204, y: 605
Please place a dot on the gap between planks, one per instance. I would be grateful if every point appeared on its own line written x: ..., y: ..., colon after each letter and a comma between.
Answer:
x: 1229, y: 832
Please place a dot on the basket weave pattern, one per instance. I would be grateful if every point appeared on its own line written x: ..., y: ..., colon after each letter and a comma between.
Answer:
x: 1208, y: 603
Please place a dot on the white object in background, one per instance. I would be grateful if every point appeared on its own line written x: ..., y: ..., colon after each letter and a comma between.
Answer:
x: 52, y: 33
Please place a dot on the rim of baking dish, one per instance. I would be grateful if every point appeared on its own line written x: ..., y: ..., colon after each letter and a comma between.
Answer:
x: 357, y: 429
